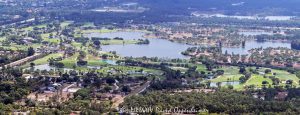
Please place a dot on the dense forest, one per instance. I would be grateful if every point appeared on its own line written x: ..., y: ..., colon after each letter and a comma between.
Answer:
x: 218, y: 102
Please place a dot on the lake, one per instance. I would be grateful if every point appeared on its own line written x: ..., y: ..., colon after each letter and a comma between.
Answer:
x: 254, y: 44
x: 270, y: 18
x: 254, y: 33
x: 166, y: 49
x: 157, y: 48
x: 47, y: 68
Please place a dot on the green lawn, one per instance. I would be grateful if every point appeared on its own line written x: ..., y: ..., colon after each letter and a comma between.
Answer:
x: 201, y: 67
x: 231, y: 70
x: 96, y: 31
x: 30, y: 28
x: 50, y: 40
x: 70, y: 61
x: 77, y: 45
x: 2, y: 38
x: 21, y: 47
x: 182, y: 69
x: 118, y: 42
x: 94, y: 60
x: 45, y: 59
x: 231, y: 73
x: 284, y: 75
x: 88, y: 24
x: 129, y: 68
x: 224, y: 78
x: 65, y: 23
x: 255, y: 80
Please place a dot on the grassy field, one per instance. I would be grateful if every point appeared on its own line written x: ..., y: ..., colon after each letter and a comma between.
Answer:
x: 257, y: 81
x: 2, y: 38
x: 182, y: 69
x: 50, y: 40
x: 30, y: 28
x: 21, y: 47
x: 45, y: 59
x: 224, y: 78
x: 230, y: 74
x: 94, y: 61
x: 70, y: 61
x: 95, y: 31
x: 201, y: 67
x: 283, y: 75
x: 88, y: 24
x: 118, y: 42
x: 65, y: 23
x: 129, y: 68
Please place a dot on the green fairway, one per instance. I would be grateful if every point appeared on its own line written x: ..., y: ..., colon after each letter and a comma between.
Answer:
x: 2, y: 38
x: 30, y: 28
x: 65, y: 23
x: 254, y: 80
x: 20, y: 47
x: 231, y: 73
x: 284, y: 75
x: 118, y: 42
x: 201, y: 67
x: 70, y: 62
x: 50, y: 40
x: 96, y: 31
x: 224, y: 78
x: 45, y: 59
x: 88, y: 24
x: 125, y: 69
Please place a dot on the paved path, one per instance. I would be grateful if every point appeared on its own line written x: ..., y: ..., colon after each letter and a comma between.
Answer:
x: 135, y: 92
x: 22, y: 61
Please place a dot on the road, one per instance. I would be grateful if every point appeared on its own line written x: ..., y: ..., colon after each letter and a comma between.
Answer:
x: 22, y: 61
x: 135, y: 92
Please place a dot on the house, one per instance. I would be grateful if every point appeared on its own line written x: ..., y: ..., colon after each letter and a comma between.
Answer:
x: 258, y: 96
x: 281, y: 96
x: 56, y: 84
x: 27, y: 76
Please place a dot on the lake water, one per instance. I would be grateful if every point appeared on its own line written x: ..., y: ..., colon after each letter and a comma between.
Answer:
x: 125, y: 35
x: 271, y: 18
x: 166, y: 49
x: 157, y: 48
x: 254, y: 33
x: 48, y: 68
x: 111, y: 62
x: 254, y: 44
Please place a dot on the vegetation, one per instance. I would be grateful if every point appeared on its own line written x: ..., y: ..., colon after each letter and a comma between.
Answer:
x: 218, y: 102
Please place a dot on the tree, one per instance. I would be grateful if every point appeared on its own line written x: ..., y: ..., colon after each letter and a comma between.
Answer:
x: 295, y: 44
x: 97, y: 43
x: 242, y: 70
x: 264, y: 83
x: 243, y: 79
x: 298, y: 74
x: 268, y: 71
x: 32, y: 65
x: 110, y: 80
x: 230, y: 87
x: 104, y: 56
x: 30, y: 51
x: 219, y: 84
x: 126, y: 89
x: 83, y: 93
